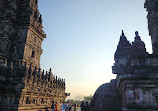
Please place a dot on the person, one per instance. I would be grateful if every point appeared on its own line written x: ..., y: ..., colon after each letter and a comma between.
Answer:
x: 70, y: 106
x: 63, y: 106
x: 75, y: 106
x: 53, y: 106
x: 67, y: 106
x: 86, y: 106
x: 82, y: 106
x: 56, y: 107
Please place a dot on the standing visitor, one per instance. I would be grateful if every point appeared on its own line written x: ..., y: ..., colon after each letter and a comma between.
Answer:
x: 63, y: 106
x: 56, y: 108
x: 86, y: 106
x: 75, y: 105
x: 53, y: 106
x: 67, y: 106
x: 70, y: 106
x: 82, y: 106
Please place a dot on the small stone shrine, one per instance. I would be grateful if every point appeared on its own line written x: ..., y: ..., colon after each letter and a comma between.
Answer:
x: 23, y: 85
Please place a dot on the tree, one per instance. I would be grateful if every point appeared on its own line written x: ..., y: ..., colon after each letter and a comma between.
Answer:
x: 88, y: 98
x: 71, y: 101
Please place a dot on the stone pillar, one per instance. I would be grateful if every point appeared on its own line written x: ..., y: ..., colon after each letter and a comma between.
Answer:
x: 152, y: 9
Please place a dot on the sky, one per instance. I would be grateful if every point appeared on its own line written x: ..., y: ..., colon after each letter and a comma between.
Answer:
x: 82, y: 37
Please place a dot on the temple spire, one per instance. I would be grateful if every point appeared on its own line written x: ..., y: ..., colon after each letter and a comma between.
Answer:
x: 122, y: 33
x: 123, y: 47
x: 138, y: 47
x: 123, y: 41
x: 137, y: 37
x: 136, y: 33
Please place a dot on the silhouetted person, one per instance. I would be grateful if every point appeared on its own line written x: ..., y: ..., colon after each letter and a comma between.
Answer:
x: 70, y: 106
x: 75, y: 106
x: 86, y: 106
x: 53, y: 106
x: 82, y: 106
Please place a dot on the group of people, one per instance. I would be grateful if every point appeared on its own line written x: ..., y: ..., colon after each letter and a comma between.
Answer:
x: 65, y: 106
x: 68, y: 106
x: 84, y: 106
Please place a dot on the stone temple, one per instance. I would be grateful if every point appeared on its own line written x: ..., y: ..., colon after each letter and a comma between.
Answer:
x: 136, y: 85
x: 23, y: 86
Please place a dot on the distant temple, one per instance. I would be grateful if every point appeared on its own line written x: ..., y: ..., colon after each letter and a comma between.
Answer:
x: 23, y: 85
x: 136, y: 85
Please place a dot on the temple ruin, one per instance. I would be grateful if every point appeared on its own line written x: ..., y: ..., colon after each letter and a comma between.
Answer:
x: 136, y: 85
x: 24, y: 86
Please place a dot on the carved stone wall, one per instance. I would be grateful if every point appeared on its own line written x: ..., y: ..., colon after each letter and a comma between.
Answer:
x: 22, y: 88
x: 21, y: 32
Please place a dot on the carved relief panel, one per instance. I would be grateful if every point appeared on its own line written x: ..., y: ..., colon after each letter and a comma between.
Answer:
x: 141, y: 96
x: 34, y: 39
x: 32, y: 50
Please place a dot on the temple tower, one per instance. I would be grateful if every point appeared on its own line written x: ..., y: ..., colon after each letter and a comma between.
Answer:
x: 152, y: 9
x: 21, y: 32
x: 23, y: 84
x: 121, y: 54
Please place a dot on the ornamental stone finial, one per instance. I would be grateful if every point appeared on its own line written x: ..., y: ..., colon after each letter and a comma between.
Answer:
x: 39, y: 73
x: 123, y: 33
x: 43, y: 74
x: 50, y: 70
x: 40, y: 19
x: 136, y: 33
